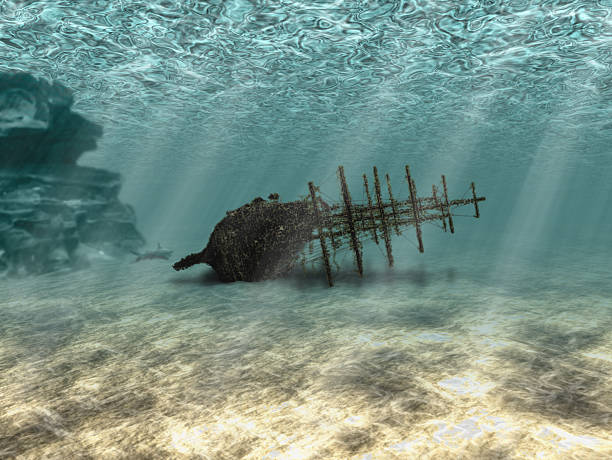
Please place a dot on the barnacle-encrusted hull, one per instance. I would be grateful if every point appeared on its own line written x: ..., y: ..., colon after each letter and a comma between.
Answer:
x: 260, y: 240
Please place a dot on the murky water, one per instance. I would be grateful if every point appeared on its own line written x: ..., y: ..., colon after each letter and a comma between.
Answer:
x: 494, y: 343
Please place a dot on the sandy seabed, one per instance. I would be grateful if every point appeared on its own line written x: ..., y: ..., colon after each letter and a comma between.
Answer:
x: 134, y: 361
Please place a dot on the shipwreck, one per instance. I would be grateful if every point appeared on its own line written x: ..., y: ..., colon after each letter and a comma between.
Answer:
x: 266, y: 239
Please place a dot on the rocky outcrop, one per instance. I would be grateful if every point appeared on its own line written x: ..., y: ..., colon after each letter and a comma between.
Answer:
x: 53, y: 213
x: 37, y: 125
x: 260, y: 240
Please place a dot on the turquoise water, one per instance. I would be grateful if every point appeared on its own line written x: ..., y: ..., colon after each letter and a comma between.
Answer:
x: 494, y: 343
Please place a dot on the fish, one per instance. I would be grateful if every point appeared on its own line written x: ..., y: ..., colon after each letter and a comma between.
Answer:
x: 159, y: 253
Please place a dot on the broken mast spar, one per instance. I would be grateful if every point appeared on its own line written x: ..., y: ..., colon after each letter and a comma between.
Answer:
x: 349, y: 223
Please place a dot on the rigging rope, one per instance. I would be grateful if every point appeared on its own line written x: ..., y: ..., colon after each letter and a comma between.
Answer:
x: 435, y: 224
x: 410, y: 241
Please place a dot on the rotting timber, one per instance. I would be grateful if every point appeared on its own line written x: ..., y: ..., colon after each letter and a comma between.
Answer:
x: 265, y: 239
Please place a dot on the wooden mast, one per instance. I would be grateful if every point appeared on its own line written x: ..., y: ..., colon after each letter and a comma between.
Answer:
x: 475, y: 201
x: 349, y: 216
x: 437, y: 202
x: 383, y: 219
x: 372, y: 220
x: 393, y: 206
x: 415, y: 211
x: 321, y: 237
x: 450, y: 217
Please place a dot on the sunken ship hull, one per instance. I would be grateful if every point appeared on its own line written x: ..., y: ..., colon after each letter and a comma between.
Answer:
x: 258, y: 241
x: 264, y: 239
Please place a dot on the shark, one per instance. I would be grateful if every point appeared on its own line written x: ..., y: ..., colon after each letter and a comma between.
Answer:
x: 159, y: 253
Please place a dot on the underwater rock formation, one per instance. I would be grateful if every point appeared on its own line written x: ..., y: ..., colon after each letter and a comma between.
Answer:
x: 260, y: 240
x: 52, y: 212
x: 37, y: 125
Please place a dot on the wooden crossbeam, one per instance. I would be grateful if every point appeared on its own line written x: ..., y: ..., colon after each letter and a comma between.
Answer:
x: 383, y: 219
x: 349, y: 216
x: 321, y: 236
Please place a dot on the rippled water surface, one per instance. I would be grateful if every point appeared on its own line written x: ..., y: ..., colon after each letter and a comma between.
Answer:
x: 259, y: 74
x: 494, y: 343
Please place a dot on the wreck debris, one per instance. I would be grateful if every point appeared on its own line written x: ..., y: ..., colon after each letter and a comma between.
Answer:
x: 264, y: 239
